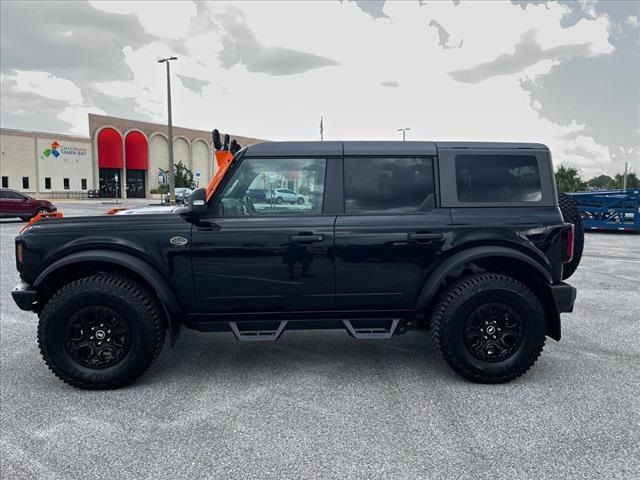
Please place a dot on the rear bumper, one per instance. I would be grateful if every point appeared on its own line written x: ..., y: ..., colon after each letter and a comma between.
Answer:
x: 24, y: 296
x: 564, y: 295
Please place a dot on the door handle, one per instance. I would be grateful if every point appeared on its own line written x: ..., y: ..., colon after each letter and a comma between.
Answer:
x: 424, y: 237
x: 306, y: 238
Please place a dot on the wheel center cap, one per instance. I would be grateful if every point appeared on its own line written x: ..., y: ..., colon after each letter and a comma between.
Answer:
x: 100, y: 334
x: 491, y: 330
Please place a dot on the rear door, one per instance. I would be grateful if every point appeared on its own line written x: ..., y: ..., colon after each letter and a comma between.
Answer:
x: 390, y: 233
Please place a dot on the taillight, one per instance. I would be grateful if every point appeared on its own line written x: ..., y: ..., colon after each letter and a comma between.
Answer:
x: 570, y: 233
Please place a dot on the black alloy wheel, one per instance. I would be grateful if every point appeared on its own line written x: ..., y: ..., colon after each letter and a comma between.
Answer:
x: 97, y: 337
x: 493, y: 332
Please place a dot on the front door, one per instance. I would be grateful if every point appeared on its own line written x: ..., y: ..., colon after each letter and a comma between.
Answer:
x: 253, y: 255
x: 389, y: 234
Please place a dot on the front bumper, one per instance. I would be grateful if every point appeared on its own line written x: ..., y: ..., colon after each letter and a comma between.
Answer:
x: 564, y: 295
x: 24, y: 296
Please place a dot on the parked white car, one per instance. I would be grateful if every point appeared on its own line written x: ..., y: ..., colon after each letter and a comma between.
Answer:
x: 284, y: 195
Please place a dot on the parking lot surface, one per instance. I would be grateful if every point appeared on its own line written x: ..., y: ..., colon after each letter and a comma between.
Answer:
x: 322, y: 405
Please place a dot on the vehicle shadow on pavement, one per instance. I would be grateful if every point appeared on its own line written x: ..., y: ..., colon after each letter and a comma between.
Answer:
x: 206, y: 355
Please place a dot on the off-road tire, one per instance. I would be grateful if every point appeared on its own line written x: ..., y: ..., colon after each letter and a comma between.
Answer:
x: 459, y: 300
x: 136, y: 304
x: 571, y: 214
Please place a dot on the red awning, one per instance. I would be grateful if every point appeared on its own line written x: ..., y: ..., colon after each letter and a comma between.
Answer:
x: 109, y: 149
x: 136, y: 151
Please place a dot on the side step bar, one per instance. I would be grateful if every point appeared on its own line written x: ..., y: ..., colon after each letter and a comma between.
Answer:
x: 360, y: 329
x: 257, y: 335
x: 364, y: 333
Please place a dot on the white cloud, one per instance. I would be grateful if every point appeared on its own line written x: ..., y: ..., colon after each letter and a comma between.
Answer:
x: 352, y: 97
x: 166, y: 19
x: 46, y: 85
x: 633, y: 21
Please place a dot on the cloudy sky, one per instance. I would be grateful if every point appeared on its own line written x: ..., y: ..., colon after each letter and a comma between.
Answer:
x: 566, y: 74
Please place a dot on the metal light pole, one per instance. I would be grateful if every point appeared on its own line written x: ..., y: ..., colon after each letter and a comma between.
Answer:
x: 172, y: 182
x: 404, y: 133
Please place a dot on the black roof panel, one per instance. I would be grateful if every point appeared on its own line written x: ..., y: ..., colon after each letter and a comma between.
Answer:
x: 336, y: 148
x: 389, y: 148
x: 303, y: 149
x: 492, y: 145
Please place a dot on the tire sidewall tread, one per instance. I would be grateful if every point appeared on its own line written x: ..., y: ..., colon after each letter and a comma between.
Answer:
x: 462, y: 297
x: 136, y: 304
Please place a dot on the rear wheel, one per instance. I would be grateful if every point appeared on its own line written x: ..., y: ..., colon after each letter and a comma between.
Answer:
x: 571, y: 214
x: 490, y: 328
x: 279, y: 200
x: 101, y: 332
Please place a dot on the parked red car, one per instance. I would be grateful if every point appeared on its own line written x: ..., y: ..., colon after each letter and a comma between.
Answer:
x: 16, y: 204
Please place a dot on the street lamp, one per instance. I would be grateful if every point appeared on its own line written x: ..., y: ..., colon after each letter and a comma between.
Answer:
x: 404, y: 133
x: 172, y: 183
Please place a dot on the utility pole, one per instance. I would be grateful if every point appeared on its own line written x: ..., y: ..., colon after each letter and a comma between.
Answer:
x: 404, y: 133
x: 172, y: 182
x: 624, y: 179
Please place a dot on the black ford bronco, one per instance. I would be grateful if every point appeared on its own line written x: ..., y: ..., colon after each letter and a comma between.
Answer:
x: 464, y: 239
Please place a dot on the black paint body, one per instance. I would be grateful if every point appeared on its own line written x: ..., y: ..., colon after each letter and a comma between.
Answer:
x: 355, y: 266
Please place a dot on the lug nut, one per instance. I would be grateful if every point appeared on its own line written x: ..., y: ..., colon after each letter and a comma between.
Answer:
x: 102, y: 324
x: 108, y: 331
x: 108, y: 339
x: 91, y: 338
x: 99, y: 343
x: 93, y: 328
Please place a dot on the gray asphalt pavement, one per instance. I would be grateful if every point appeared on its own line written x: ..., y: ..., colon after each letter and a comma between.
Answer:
x: 321, y: 405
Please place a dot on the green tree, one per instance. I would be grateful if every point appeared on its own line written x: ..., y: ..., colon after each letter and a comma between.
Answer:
x: 632, y: 180
x: 182, y: 176
x: 568, y: 180
x: 601, y: 182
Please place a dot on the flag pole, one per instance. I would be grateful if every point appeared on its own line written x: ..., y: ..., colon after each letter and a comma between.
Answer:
x: 321, y: 128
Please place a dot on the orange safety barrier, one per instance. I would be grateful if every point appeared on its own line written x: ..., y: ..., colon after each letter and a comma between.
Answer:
x: 39, y: 217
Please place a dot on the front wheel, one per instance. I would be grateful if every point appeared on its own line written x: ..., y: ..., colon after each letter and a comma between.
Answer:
x: 490, y: 328
x: 300, y: 201
x: 101, y: 332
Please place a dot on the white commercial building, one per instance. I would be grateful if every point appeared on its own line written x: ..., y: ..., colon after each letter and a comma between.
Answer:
x: 120, y: 157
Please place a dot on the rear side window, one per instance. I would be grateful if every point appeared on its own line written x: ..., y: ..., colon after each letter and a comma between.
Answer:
x: 388, y: 185
x: 498, y: 178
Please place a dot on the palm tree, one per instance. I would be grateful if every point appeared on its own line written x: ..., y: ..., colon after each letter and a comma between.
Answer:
x: 568, y: 180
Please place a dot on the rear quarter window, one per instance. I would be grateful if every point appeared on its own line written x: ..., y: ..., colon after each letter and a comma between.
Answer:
x: 495, y: 178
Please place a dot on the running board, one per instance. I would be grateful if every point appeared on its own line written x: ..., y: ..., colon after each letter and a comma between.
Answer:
x: 257, y: 335
x: 364, y: 333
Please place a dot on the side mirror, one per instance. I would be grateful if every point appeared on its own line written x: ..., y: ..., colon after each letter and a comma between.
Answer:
x: 196, y: 203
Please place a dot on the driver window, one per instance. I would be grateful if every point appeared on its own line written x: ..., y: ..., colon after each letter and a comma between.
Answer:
x: 274, y: 186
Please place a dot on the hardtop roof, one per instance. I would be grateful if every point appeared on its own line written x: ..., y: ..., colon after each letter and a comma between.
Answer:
x: 337, y: 148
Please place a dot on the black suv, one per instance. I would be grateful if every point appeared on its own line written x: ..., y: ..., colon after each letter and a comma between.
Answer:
x: 464, y: 239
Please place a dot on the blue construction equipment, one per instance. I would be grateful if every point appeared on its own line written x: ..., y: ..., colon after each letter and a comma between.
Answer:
x: 609, y: 209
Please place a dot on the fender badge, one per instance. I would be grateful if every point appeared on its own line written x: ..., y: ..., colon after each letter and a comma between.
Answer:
x: 178, y: 241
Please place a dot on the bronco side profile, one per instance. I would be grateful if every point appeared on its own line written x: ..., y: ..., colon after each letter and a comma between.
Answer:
x: 465, y: 239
